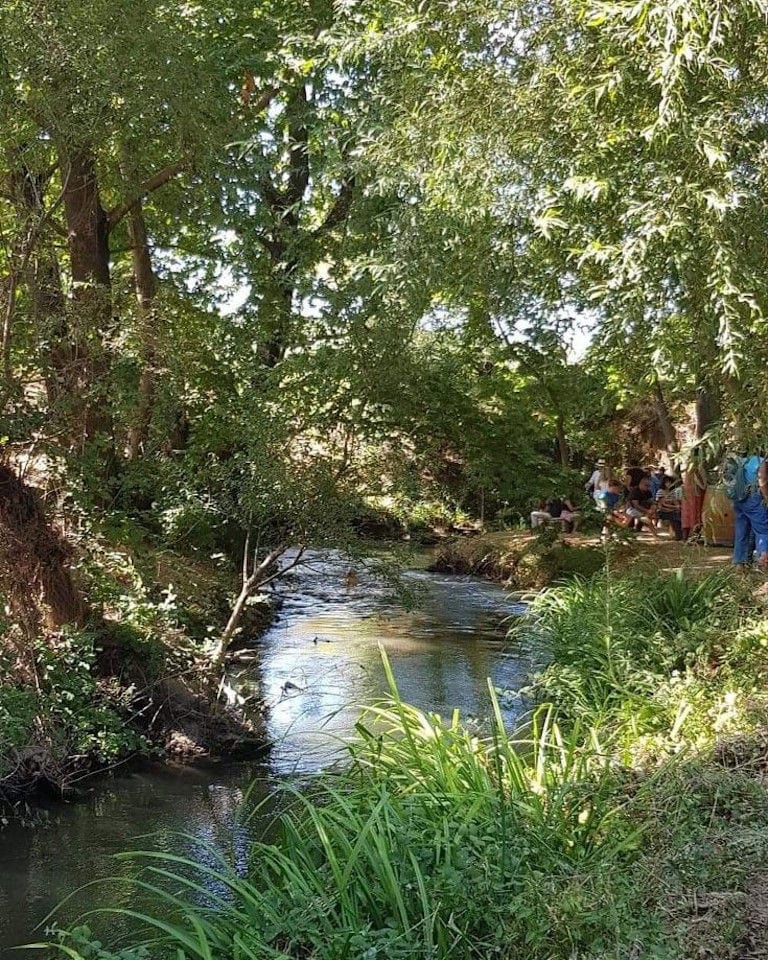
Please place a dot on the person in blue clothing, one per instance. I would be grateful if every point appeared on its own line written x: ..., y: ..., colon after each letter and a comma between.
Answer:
x: 749, y: 493
x: 657, y: 481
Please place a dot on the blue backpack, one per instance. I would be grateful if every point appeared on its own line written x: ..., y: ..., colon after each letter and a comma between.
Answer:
x: 740, y: 476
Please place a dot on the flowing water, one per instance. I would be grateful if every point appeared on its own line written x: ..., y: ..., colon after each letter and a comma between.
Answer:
x: 317, y: 666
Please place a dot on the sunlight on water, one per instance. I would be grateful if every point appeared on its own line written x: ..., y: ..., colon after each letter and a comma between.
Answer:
x: 317, y: 667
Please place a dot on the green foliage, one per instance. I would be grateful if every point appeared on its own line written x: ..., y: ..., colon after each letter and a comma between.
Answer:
x: 379, y: 862
x: 439, y: 842
x: 65, y: 714
x: 634, y: 656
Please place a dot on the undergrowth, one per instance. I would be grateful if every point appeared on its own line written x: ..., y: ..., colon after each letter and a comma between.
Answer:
x: 619, y: 825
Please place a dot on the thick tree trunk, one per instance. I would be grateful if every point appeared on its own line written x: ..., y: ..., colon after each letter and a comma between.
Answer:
x: 87, y: 227
x: 145, y: 282
x: 34, y: 559
x: 87, y: 237
x: 707, y: 406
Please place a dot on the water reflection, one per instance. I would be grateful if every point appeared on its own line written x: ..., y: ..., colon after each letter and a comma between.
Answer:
x: 317, y: 666
x: 320, y: 663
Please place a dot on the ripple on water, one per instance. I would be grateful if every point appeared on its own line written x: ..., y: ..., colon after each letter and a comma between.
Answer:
x: 317, y: 666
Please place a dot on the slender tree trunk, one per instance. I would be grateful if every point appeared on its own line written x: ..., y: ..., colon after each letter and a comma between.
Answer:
x: 254, y: 577
x: 146, y: 288
x: 707, y: 406
x: 562, y: 442
x: 8, y: 315
x: 49, y: 314
x: 280, y: 307
x: 665, y: 420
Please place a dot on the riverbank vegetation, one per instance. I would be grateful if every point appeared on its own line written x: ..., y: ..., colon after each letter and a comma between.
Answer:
x: 292, y: 274
x: 629, y: 817
x: 285, y: 274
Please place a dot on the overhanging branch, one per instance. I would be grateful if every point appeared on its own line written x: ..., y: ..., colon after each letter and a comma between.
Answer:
x: 153, y: 183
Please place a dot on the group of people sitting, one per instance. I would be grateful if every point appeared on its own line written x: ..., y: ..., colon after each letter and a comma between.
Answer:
x: 646, y: 498
x: 562, y: 512
x: 649, y: 496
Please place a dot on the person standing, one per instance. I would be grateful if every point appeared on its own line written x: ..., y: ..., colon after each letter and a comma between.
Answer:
x: 668, y: 501
x: 694, y: 488
x: 750, y: 508
x: 599, y: 480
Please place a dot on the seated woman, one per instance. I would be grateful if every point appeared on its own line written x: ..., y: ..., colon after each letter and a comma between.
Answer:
x: 564, y: 511
x: 641, y: 508
x: 557, y: 510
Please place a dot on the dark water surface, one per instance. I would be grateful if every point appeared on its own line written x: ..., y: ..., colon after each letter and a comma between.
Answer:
x: 317, y: 667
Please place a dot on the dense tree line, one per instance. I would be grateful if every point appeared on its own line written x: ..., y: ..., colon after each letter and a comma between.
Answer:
x: 274, y: 273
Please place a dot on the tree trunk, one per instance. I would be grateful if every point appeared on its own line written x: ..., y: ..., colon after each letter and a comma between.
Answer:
x: 88, y: 243
x: 33, y: 559
x: 665, y: 420
x: 707, y: 406
x: 145, y: 282
x: 280, y: 310
x: 255, y: 576
x: 39, y: 271
x: 562, y: 442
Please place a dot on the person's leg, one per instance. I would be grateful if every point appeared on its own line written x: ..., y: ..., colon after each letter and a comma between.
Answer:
x: 539, y: 518
x: 650, y: 522
x: 673, y: 519
x: 677, y: 527
x: 758, y: 517
x: 741, y: 533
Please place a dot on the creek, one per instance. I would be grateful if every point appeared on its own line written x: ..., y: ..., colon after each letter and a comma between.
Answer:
x: 317, y: 667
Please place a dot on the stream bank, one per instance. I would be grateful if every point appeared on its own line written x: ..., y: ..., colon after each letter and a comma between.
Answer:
x: 634, y: 823
x: 318, y: 665
x: 520, y: 560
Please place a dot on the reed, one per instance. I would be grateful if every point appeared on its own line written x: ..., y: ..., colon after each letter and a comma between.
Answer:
x: 439, y: 843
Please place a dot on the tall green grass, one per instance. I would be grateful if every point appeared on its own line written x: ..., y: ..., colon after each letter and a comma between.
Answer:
x: 624, y: 652
x: 437, y: 843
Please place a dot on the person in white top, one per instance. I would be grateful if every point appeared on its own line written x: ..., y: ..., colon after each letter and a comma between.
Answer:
x: 599, y: 481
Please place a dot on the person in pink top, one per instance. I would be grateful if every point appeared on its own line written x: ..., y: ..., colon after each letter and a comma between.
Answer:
x: 692, y: 507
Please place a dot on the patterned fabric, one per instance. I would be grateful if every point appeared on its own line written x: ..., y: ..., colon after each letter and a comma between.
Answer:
x: 693, y: 503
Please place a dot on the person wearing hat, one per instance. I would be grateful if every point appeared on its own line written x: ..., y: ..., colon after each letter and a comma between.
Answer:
x: 598, y: 482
